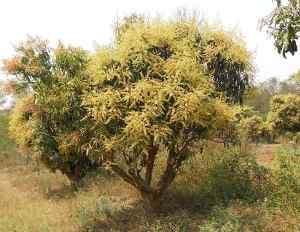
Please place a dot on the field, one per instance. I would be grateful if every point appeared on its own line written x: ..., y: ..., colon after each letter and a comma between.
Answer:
x: 35, y: 200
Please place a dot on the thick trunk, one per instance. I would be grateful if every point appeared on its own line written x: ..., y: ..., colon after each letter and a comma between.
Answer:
x: 152, y: 201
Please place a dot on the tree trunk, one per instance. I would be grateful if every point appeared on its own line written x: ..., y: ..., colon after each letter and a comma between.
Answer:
x: 152, y: 202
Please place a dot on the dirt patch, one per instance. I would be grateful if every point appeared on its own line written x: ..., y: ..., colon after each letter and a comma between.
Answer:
x: 265, y: 154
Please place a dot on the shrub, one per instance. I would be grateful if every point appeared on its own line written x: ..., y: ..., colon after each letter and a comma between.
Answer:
x: 91, y: 211
x: 8, y: 151
x: 238, y: 217
x: 219, y: 177
x: 252, y: 128
x: 286, y: 178
x: 247, y: 126
x: 284, y: 115
x: 237, y: 176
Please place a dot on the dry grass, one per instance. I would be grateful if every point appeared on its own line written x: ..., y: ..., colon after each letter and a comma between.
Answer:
x: 42, y: 201
x: 34, y: 200
x: 24, y: 208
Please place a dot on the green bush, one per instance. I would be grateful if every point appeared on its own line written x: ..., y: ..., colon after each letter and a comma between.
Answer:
x: 91, y: 211
x: 238, y: 217
x: 284, y: 115
x: 223, y: 176
x: 286, y: 179
x: 235, y: 176
x: 8, y: 150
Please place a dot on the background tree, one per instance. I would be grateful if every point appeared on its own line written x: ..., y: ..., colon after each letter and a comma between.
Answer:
x: 284, y: 25
x: 252, y: 128
x: 50, y: 121
x: 154, y: 99
x: 295, y: 80
x: 296, y: 77
x: 260, y: 94
x: 284, y: 114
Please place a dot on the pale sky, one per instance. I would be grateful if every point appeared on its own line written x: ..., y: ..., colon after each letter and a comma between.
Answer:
x: 88, y: 22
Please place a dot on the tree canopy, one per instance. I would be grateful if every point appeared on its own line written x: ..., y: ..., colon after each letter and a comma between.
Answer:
x: 260, y: 94
x: 154, y: 99
x: 283, y: 24
x: 223, y: 54
x: 284, y: 114
x: 49, y: 122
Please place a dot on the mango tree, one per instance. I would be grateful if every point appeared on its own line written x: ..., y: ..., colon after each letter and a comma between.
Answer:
x: 284, y: 115
x: 154, y: 99
x: 49, y: 122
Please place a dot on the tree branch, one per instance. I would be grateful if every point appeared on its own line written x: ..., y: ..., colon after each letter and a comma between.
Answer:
x: 150, y: 164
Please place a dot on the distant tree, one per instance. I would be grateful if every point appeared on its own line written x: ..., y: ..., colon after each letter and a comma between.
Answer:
x: 284, y: 114
x: 49, y: 121
x: 295, y: 82
x: 296, y: 77
x: 260, y: 94
x: 284, y: 26
x: 257, y: 98
x: 252, y: 128
x: 153, y: 99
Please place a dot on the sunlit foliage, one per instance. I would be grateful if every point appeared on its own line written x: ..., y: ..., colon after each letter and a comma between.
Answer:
x: 154, y: 98
x: 284, y: 115
x: 283, y: 24
x: 253, y: 128
x: 50, y: 121
x: 223, y: 54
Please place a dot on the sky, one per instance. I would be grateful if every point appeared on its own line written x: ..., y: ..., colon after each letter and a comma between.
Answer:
x: 86, y: 23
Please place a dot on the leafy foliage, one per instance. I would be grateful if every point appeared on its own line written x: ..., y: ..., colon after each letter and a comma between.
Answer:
x: 229, y: 64
x: 156, y: 92
x: 235, y: 175
x: 254, y: 128
x: 260, y: 94
x: 224, y: 56
x: 153, y: 98
x: 21, y: 126
x: 246, y: 126
x: 286, y: 194
x: 284, y: 26
x: 50, y: 121
x: 284, y: 115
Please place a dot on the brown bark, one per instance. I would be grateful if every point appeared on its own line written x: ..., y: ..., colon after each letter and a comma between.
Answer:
x: 125, y: 176
x: 174, y: 162
x: 131, y: 178
x: 150, y: 164
x: 152, y: 195
x: 152, y: 201
x: 168, y: 176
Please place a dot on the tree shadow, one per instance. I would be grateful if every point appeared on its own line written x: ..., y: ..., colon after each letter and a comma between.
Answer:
x: 174, y: 215
x: 123, y: 219
x: 62, y: 192
x: 69, y: 190
x: 181, y: 209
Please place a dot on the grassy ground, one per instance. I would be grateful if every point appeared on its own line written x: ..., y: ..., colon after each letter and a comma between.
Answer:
x: 32, y: 199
